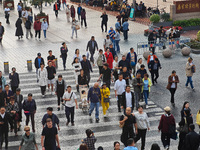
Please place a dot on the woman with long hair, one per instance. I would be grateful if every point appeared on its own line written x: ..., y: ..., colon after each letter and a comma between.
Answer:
x: 77, y: 67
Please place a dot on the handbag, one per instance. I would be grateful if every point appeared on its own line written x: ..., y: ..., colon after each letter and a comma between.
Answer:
x: 184, y: 128
x: 193, y: 69
x: 77, y: 27
x: 105, y: 100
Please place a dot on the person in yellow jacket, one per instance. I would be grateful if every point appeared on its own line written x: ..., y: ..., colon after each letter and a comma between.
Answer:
x: 198, y: 119
x: 146, y: 88
x: 105, y: 93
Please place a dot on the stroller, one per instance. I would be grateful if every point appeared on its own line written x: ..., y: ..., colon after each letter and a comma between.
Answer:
x: 84, y: 105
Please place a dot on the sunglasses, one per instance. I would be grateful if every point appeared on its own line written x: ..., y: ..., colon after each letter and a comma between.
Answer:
x: 27, y: 130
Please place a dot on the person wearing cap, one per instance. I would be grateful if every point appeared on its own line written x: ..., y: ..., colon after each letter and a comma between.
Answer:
x: 49, y: 136
x: 92, y: 46
x: 132, y: 59
x: 42, y: 76
x: 44, y: 27
x: 37, y: 28
x: 104, y: 21
x: 167, y: 121
x: 19, y: 98
x: 63, y: 51
x: 90, y: 140
x: 2, y: 80
x: 29, y: 107
x: 172, y: 85
x: 60, y: 86
x: 86, y: 66
x: 7, y: 93
x: 70, y: 99
x: 106, y: 42
x: 4, y: 129
x: 51, y: 72
x: 105, y: 94
x: 14, y: 80
x: 38, y: 61
x: 12, y: 109
x: 189, y: 69
x: 29, y: 139
x: 2, y: 99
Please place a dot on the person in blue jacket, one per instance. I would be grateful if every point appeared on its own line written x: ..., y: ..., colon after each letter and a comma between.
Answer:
x: 132, y: 59
x: 79, y: 9
x: 125, y: 29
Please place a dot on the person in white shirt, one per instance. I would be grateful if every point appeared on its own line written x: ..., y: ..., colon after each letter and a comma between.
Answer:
x: 138, y: 65
x: 106, y: 42
x: 68, y: 13
x: 142, y: 125
x: 127, y: 99
x: 7, y: 14
x: 70, y: 102
x: 44, y: 27
x: 24, y: 15
x: 119, y: 88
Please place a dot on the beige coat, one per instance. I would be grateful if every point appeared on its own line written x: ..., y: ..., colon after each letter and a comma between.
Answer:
x: 188, y: 70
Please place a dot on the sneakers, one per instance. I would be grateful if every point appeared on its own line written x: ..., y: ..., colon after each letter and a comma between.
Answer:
x: 73, y: 124
x: 43, y: 96
x: 97, y: 120
x: 67, y: 123
x: 90, y: 114
x: 193, y: 89
x: 147, y: 106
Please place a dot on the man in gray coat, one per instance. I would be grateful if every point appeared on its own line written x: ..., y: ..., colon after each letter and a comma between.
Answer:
x: 137, y: 85
x: 92, y: 45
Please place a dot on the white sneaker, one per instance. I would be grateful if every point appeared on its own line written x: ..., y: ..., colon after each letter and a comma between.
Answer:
x: 51, y: 93
x: 147, y: 106
x: 43, y: 96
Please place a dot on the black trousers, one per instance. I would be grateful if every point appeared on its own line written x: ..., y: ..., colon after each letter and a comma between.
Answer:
x: 119, y: 102
x: 172, y: 91
x: 4, y: 135
x: 64, y: 58
x: 165, y: 138
x: 127, y: 132
x: 69, y: 111
x: 37, y: 33
x: 32, y: 120
x: 7, y: 19
x: 154, y: 73
x: 84, y: 22
x: 13, y: 88
x: 181, y: 141
x: 43, y: 89
x: 87, y: 74
x: 92, y: 56
x: 141, y: 134
x: 100, y: 69
x: 59, y: 96
x: 20, y: 14
x: 104, y: 24
x: 13, y: 123
x: 56, y: 13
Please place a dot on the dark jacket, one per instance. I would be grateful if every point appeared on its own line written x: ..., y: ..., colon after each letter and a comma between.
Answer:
x: 19, y: 101
x: 124, y: 64
x: 51, y: 71
x: 137, y: 88
x: 10, y: 93
x: 28, y: 24
x: 89, y: 45
x: 152, y: 63
x: 165, y: 122
x: 170, y: 81
x: 5, y: 120
x: 54, y: 7
x: 124, y: 99
x: 192, y: 141
x: 63, y: 51
x: 94, y: 95
x: 36, y: 62
x: 29, y: 106
x: 86, y: 66
x: 104, y: 18
x: 83, y: 15
x: 18, y: 25
x: 2, y: 31
x: 142, y: 72
x: 2, y: 99
x: 54, y: 119
x: 128, y: 57
x: 14, y: 79
x: 189, y: 120
x: 152, y: 38
x: 82, y: 80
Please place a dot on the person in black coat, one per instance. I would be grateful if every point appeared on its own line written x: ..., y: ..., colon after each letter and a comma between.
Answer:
x: 152, y: 39
x: 82, y: 80
x: 104, y: 21
x: 142, y: 71
x: 126, y: 75
x: 92, y: 45
x: 38, y: 61
x: 2, y: 97
x: 154, y: 67
x: 28, y: 28
x: 124, y: 99
x: 19, y: 31
x: 4, y: 119
x: 14, y: 80
x: 124, y: 63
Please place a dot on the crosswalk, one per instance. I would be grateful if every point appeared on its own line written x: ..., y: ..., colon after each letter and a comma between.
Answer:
x: 106, y: 131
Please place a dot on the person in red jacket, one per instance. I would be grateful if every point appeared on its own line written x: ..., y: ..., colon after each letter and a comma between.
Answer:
x: 37, y: 28
x: 166, y: 125
x: 151, y: 57
x: 72, y: 10
x: 109, y: 58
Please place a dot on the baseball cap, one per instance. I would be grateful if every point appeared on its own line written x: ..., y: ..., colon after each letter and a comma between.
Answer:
x: 39, y: 54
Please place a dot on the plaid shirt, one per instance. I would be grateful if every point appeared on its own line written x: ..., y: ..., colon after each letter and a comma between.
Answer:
x: 90, y: 142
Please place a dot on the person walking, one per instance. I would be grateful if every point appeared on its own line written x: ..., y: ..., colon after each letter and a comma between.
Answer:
x: 60, y: 86
x: 137, y: 86
x: 79, y: 9
x: 82, y: 80
x: 152, y: 39
x: 28, y: 28
x: 119, y: 88
x: 86, y: 66
x: 172, y: 85
x: 63, y: 51
x: 111, y: 33
x: 77, y: 67
x: 14, y: 80
x: 83, y: 18
x: 78, y: 55
x: 51, y: 72
x: 42, y: 76
x: 51, y: 58
x: 130, y: 145
x: 19, y: 9
x: 132, y: 59
x: 70, y: 99
x: 29, y: 139
x: 107, y: 42
x: 49, y: 136
x: 127, y: 99
x: 105, y: 98
x: 128, y: 120
x: 19, y: 31
x: 146, y: 88
x: 92, y: 45
x: 38, y: 61
x: 1, y: 32
x: 126, y: 75
x: 37, y: 28
x: 167, y: 121
x: 72, y: 11
x: 116, y: 70
x: 101, y: 60
x: 24, y: 15
x: 109, y: 58
x: 56, y: 8
x: 125, y: 26
x: 186, y: 106
x: 7, y: 94
x: 94, y: 96
x: 154, y: 70
x: 124, y: 63
x: 117, y: 39
x: 4, y: 119
x: 142, y: 71
x: 44, y: 27
x: 143, y: 125
x: 52, y: 116
x: 7, y: 14
x: 29, y: 107
x: 189, y: 69
x: 104, y: 21
x: 64, y: 2
x: 68, y: 13
x: 74, y: 25
x: 2, y: 81
x: 90, y: 140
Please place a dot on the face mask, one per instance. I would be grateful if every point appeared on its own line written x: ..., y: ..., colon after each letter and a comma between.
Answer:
x: 150, y: 53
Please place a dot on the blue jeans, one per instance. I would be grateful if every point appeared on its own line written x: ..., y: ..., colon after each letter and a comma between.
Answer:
x: 45, y: 33
x: 74, y: 29
x: 117, y: 45
x: 189, y: 80
x: 146, y: 95
x: 64, y: 4
x: 113, y: 42
x: 96, y: 106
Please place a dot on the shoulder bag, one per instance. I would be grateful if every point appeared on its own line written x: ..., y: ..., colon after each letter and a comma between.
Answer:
x: 184, y: 128
x: 105, y: 100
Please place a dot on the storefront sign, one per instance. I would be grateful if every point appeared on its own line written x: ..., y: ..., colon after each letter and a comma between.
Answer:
x: 187, y: 6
